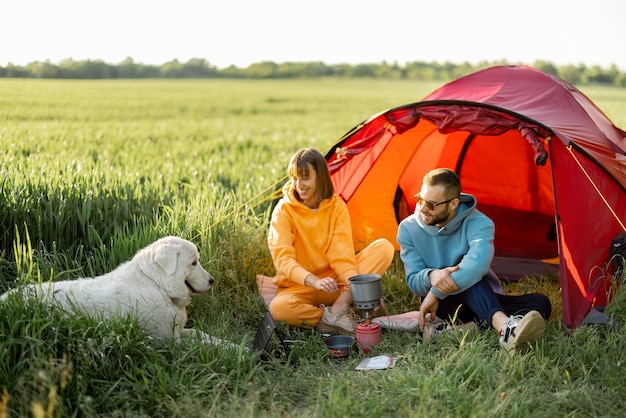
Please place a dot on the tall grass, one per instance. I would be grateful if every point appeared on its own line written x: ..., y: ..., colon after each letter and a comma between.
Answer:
x: 91, y: 171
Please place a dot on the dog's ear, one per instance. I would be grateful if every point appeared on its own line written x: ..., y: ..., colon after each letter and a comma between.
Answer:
x: 166, y: 256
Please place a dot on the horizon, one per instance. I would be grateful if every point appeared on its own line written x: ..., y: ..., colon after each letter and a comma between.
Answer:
x: 491, y: 63
x: 243, y: 32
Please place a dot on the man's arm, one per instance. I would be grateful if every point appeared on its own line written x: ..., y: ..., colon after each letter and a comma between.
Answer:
x: 442, y: 282
x: 414, y: 265
x: 476, y: 262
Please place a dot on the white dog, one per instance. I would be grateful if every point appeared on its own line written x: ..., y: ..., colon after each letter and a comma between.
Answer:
x: 156, y: 285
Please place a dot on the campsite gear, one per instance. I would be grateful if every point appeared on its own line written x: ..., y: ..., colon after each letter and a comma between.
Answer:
x: 262, y: 343
x: 366, y: 293
x: 596, y: 316
x: 367, y: 336
x: 493, y: 127
x: 617, y: 254
x: 339, y: 346
x: 377, y: 363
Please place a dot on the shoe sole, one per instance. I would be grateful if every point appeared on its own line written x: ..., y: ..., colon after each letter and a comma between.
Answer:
x: 531, y: 327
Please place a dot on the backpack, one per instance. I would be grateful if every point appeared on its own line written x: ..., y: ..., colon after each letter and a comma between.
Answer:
x: 617, y: 254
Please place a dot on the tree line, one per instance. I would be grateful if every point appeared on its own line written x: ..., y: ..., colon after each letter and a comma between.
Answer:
x: 201, y: 68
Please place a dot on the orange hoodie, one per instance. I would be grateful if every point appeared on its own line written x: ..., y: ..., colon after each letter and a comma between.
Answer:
x: 303, y: 241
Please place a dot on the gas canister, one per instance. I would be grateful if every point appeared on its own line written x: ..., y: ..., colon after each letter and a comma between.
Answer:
x: 367, y: 336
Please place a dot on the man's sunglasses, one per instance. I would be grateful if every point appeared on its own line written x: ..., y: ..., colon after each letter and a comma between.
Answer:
x: 430, y: 205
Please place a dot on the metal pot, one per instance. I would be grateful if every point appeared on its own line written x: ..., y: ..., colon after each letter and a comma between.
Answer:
x: 339, y: 346
x: 366, y: 290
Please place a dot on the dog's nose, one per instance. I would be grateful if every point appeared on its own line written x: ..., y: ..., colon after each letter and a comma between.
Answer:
x: 211, y: 280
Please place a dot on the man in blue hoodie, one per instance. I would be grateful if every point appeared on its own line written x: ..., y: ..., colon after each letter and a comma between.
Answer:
x: 447, y: 248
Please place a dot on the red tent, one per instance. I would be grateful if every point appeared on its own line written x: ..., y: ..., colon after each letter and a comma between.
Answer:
x: 543, y: 161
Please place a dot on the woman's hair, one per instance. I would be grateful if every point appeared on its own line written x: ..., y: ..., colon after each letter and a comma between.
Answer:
x: 299, y: 167
x: 446, y: 178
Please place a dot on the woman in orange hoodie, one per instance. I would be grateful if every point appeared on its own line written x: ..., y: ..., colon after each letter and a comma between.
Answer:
x: 310, y: 240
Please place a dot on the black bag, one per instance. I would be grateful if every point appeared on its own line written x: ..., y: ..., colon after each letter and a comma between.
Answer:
x: 617, y: 254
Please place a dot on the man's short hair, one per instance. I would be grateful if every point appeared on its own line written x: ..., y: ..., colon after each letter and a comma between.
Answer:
x: 446, y: 178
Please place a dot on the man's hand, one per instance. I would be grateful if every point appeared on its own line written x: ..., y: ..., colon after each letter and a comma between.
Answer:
x: 429, y: 305
x: 440, y: 279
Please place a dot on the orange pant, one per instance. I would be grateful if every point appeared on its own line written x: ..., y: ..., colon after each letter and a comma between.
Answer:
x: 300, y: 305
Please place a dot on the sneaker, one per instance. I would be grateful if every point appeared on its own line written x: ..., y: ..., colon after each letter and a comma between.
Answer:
x: 338, y: 322
x: 519, y: 330
x: 432, y: 329
x: 407, y: 321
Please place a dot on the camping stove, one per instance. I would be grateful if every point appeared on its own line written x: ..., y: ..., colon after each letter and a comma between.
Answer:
x: 366, y: 293
x: 366, y: 313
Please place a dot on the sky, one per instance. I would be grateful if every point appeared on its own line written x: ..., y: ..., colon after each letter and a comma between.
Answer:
x: 242, y: 32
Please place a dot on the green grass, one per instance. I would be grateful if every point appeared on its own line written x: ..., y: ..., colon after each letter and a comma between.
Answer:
x: 91, y: 171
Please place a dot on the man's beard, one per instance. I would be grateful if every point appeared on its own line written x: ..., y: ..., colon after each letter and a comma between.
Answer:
x: 437, y: 219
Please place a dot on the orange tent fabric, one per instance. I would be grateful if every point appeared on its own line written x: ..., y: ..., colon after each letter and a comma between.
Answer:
x: 543, y: 161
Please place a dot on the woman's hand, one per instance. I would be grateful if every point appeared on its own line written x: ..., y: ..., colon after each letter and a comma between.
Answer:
x: 327, y: 284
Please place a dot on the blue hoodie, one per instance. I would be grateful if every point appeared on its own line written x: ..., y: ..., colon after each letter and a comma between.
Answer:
x: 467, y: 241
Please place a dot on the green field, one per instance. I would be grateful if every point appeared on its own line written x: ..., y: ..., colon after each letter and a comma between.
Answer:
x: 91, y: 171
